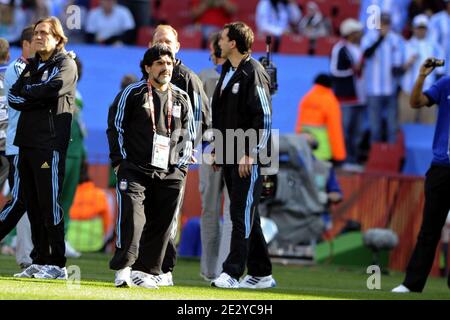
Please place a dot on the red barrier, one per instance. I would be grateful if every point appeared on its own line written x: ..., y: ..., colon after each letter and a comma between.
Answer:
x: 384, y: 201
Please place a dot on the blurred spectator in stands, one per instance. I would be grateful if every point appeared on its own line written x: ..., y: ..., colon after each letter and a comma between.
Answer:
x: 319, y: 113
x: 215, y: 236
x: 91, y: 202
x: 56, y: 7
x: 36, y: 10
x: 110, y: 23
x: 416, y: 7
x: 141, y: 11
x: 398, y: 9
x: 277, y: 17
x: 417, y: 50
x: 314, y: 24
x: 12, y: 21
x: 345, y: 67
x: 427, y: 7
x: 383, y: 53
x: 212, y: 15
x: 75, y: 33
x: 439, y: 29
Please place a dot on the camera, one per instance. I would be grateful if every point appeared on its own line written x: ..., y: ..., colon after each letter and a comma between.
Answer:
x: 434, y: 63
x: 270, y: 67
x: 269, y: 186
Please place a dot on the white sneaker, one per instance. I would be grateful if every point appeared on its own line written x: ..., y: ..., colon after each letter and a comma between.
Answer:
x: 123, y: 277
x: 401, y: 289
x: 163, y: 280
x: 70, y: 251
x: 250, y: 282
x: 142, y: 279
x: 29, y: 272
x: 225, y: 281
x: 51, y: 272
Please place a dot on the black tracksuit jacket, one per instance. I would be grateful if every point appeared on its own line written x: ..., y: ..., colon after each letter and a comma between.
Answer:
x: 245, y: 103
x: 130, y: 130
x: 46, y: 98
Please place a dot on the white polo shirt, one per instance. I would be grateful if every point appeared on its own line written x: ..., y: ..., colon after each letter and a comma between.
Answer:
x: 107, y: 26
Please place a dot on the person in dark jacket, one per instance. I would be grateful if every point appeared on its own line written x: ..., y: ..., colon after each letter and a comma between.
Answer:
x: 187, y: 80
x: 150, y: 133
x: 242, y: 104
x: 345, y: 61
x: 45, y: 95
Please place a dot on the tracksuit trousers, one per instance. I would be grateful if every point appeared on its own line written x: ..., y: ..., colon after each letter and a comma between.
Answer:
x: 248, y: 246
x: 215, y: 236
x: 437, y: 206
x: 147, y: 203
x: 13, y: 214
x: 170, y: 257
x: 41, y: 174
x: 14, y: 209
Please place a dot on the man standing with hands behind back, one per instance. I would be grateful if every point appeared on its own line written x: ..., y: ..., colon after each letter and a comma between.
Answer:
x: 242, y: 102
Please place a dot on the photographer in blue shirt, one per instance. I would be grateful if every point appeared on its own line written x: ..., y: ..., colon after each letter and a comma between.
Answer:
x: 437, y: 181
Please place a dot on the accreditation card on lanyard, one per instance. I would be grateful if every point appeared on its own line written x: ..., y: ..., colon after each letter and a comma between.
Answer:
x: 161, y: 144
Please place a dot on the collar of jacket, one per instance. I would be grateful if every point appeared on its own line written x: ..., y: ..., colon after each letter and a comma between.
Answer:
x: 239, y: 72
x: 227, y: 65
x: 56, y: 55
x: 176, y: 73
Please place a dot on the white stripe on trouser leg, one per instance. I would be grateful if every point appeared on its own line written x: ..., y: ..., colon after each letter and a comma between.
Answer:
x: 15, y: 190
x: 55, y: 188
x: 249, y: 203
x: 119, y: 216
x: 174, y: 225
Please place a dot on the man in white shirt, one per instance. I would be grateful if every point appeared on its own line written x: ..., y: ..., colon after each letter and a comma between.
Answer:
x: 275, y: 17
x: 109, y: 23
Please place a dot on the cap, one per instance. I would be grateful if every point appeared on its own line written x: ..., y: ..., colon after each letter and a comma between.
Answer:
x: 420, y: 20
x: 350, y: 25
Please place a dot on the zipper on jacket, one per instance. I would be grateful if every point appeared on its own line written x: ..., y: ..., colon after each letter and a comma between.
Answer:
x: 51, y: 123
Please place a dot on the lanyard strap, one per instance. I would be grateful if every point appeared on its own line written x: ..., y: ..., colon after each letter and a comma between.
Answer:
x: 152, y: 108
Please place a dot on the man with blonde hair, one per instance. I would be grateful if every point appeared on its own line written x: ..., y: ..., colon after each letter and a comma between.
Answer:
x: 45, y: 95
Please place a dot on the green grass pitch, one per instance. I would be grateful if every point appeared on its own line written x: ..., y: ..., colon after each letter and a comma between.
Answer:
x: 294, y: 283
